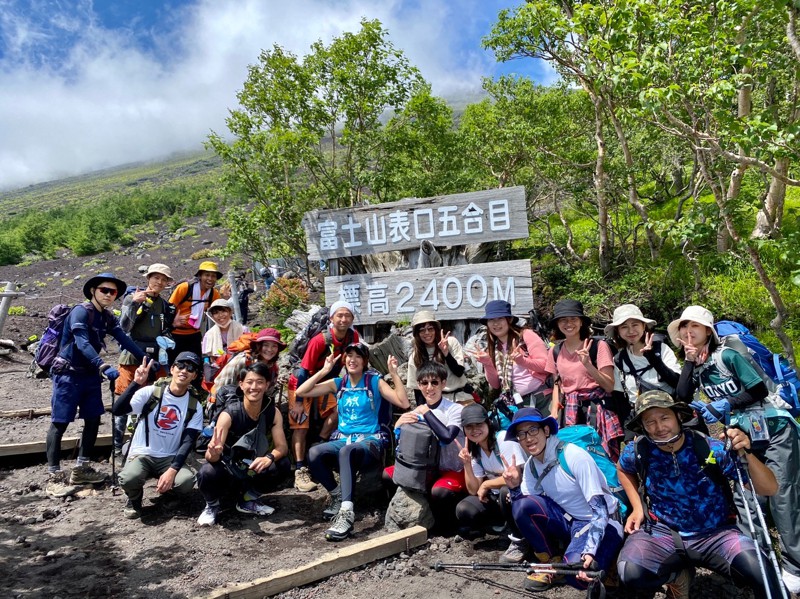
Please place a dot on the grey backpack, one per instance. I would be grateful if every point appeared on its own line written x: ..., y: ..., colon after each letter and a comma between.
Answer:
x: 417, y: 459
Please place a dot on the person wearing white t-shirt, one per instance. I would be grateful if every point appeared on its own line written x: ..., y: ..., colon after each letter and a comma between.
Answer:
x: 553, y: 508
x: 163, y: 440
x: 487, y: 505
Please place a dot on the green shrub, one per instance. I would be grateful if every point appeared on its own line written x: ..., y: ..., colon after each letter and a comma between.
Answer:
x: 204, y: 254
x: 16, y: 311
x: 285, y: 295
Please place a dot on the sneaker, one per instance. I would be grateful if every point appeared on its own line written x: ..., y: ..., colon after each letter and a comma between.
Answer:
x: 544, y: 580
x: 132, y: 509
x: 341, y: 527
x: 209, y: 515
x: 303, y: 482
x: 334, y: 505
x: 86, y: 475
x: 58, y: 485
x: 516, y: 552
x: 253, y: 507
x: 679, y: 588
x: 792, y: 581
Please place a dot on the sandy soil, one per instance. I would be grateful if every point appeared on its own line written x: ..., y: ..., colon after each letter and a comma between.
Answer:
x: 83, y: 547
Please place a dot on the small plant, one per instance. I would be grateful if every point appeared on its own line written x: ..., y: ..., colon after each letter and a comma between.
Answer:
x: 65, y: 282
x: 190, y: 232
x: 285, y: 295
x: 204, y: 253
x: 16, y: 311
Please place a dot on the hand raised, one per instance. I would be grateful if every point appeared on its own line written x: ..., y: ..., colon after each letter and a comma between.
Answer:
x: 648, y: 341
x: 142, y: 374
x: 443, y: 343
x: 392, y: 363
x: 463, y: 452
x: 511, y: 474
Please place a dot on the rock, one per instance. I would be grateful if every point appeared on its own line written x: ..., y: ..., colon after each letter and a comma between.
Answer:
x: 142, y: 268
x: 52, y: 554
x: 29, y: 520
x: 49, y: 514
x: 20, y: 539
x: 206, y: 242
x: 76, y: 277
x: 408, y: 508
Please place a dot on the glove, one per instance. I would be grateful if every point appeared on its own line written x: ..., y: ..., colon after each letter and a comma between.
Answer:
x: 716, y: 411
x: 112, y: 374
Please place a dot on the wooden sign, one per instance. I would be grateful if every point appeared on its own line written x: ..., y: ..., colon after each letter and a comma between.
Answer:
x: 458, y: 219
x: 451, y: 292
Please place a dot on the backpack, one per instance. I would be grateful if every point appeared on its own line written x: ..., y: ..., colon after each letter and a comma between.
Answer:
x: 587, y: 438
x: 702, y: 451
x: 622, y: 361
x: 773, y: 369
x: 416, y: 461
x: 212, y: 368
x: 50, y: 343
x: 319, y: 322
x: 537, y: 326
x: 385, y: 413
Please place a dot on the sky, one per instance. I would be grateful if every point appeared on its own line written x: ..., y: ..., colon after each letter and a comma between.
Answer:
x: 90, y: 84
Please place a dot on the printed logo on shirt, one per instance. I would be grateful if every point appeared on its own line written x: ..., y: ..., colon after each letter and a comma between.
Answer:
x: 168, y: 418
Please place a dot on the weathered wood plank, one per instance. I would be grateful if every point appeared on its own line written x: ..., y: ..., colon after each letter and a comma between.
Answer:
x: 13, y: 449
x: 34, y: 412
x: 329, y: 564
x: 457, y: 219
x: 452, y: 292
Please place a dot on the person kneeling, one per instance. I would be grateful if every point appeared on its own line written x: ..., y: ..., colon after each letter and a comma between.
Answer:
x: 170, y: 419
x: 252, y: 426
x: 690, y: 516
x: 554, y: 509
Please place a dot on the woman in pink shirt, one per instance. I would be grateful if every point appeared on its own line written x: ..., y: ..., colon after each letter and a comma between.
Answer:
x: 514, y: 362
x: 583, y: 373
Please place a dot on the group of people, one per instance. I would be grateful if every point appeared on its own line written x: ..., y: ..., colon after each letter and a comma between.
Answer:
x: 501, y: 464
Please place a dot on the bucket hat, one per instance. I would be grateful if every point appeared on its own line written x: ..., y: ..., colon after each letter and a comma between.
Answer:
x: 696, y: 314
x: 568, y: 307
x: 473, y: 413
x: 529, y: 415
x: 220, y: 303
x: 273, y: 335
x: 103, y: 276
x: 423, y: 316
x: 208, y: 266
x: 657, y: 399
x: 497, y: 309
x: 623, y: 313
x: 161, y: 269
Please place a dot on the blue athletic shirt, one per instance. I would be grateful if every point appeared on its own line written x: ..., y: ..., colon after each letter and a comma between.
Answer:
x: 681, y: 495
x: 356, y: 415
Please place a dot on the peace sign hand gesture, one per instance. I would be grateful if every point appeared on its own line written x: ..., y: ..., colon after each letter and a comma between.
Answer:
x: 648, y: 341
x: 583, y: 352
x: 215, y: 447
x: 142, y: 373
x: 511, y: 474
x: 443, y: 344
x: 463, y: 453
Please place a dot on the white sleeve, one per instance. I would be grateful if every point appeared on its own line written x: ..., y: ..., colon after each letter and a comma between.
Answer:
x: 477, y: 468
x: 669, y: 358
x: 589, y: 477
x: 528, y: 486
x: 140, y: 398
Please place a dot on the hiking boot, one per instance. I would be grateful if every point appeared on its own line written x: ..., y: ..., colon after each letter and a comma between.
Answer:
x: 341, y: 527
x: 679, y: 588
x: 209, y: 515
x: 303, y: 482
x: 58, y: 485
x: 544, y: 580
x: 334, y: 505
x: 516, y: 552
x: 253, y: 507
x: 86, y: 475
x: 132, y: 509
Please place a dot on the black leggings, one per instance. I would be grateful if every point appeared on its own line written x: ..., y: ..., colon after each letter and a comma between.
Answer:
x: 214, y: 479
x: 324, y: 458
x: 475, y: 515
x: 56, y: 433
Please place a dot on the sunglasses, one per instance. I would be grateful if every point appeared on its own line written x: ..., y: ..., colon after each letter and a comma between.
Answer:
x: 531, y: 432
x: 108, y: 290
x: 187, y: 366
x: 433, y: 383
x: 427, y: 329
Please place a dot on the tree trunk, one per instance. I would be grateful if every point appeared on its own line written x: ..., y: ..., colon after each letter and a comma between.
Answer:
x: 769, y: 218
x: 603, y: 252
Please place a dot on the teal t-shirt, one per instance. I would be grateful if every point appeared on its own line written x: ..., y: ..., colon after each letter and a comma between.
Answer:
x: 357, y: 415
x: 718, y: 384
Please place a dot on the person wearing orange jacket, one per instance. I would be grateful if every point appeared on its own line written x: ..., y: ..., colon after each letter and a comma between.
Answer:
x: 192, y: 300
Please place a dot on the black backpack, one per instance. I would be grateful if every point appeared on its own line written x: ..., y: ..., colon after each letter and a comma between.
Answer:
x: 416, y: 462
x: 624, y: 364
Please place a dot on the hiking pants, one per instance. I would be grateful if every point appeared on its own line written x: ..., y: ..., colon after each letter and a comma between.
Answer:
x: 475, y: 515
x: 648, y: 560
x: 783, y: 457
x: 548, y: 528
x: 214, y: 479
x: 347, y: 458
x: 139, y: 468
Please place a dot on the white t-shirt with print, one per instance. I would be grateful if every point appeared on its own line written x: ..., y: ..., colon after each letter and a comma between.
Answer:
x: 166, y: 425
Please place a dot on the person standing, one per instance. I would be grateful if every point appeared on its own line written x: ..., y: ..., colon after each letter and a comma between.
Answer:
x: 430, y: 343
x: 192, y: 300
x: 77, y: 375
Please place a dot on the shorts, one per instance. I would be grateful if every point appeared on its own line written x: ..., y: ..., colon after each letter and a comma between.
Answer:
x: 326, y: 405
x: 72, y: 391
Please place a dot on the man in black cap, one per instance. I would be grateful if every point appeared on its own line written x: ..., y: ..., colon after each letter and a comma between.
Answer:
x: 77, y: 376
x: 170, y: 419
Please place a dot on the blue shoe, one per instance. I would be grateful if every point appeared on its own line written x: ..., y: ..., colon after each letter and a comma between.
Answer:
x: 254, y: 508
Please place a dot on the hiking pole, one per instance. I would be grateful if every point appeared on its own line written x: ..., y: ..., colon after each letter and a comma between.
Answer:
x: 114, y: 487
x: 741, y: 462
x: 564, y: 569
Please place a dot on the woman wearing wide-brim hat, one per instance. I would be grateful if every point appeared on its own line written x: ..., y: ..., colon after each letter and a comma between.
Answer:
x: 429, y: 342
x: 740, y: 398
x: 514, y: 361
x: 583, y: 372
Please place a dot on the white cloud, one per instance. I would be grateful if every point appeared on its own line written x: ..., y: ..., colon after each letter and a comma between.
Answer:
x: 102, y: 100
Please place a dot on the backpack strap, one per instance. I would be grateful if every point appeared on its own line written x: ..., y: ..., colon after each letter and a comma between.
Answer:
x: 549, y: 467
x: 708, y: 464
x: 155, y: 400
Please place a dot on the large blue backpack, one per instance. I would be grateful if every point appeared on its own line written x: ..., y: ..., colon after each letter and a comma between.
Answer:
x: 587, y: 438
x: 774, y: 369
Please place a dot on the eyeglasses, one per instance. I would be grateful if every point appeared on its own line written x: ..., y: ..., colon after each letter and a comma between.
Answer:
x: 187, y: 366
x: 427, y: 329
x: 428, y: 383
x: 531, y: 432
x: 108, y: 290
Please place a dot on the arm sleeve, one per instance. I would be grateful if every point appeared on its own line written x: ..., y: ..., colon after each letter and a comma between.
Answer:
x: 748, y: 397
x: 456, y: 368
x: 78, y: 321
x: 445, y: 434
x: 492, y: 377
x: 411, y: 376
x: 188, y: 440
x: 753, y: 387
x: 686, y: 385
x: 597, y: 525
x: 122, y: 405
x: 125, y: 341
x: 456, y: 365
